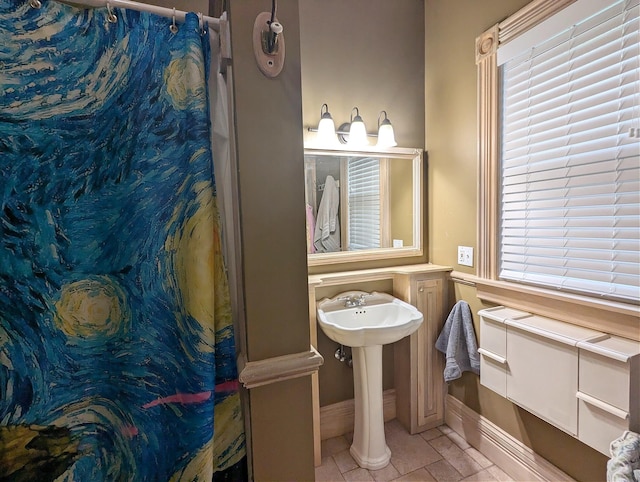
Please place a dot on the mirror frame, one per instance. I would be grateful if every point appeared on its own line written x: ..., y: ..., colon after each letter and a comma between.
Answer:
x: 414, y: 154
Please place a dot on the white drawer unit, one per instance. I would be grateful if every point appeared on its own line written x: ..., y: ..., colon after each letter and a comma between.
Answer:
x: 608, y: 390
x: 583, y: 381
x: 493, y: 347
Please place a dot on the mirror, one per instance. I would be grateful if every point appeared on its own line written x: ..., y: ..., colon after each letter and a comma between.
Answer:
x: 362, y: 204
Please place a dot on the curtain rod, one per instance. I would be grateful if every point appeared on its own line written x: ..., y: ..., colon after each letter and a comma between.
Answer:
x: 213, y: 22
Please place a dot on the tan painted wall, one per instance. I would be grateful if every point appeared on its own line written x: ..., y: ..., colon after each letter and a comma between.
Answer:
x: 282, y: 434
x: 271, y: 183
x: 450, y: 99
x: 369, y: 54
x: 270, y: 154
x: 365, y: 53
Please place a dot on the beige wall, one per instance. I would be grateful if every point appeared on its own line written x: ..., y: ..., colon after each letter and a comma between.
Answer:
x: 271, y: 183
x: 269, y: 148
x: 369, y: 54
x: 450, y: 99
x: 364, y: 53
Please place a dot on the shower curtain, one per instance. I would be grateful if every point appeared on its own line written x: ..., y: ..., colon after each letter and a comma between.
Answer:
x: 117, y: 357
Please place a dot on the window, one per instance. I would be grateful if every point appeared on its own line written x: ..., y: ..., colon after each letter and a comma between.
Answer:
x: 558, y: 127
x: 363, y: 175
x: 570, y: 190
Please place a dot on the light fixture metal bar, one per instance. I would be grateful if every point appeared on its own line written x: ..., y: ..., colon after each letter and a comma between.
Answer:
x: 344, y: 133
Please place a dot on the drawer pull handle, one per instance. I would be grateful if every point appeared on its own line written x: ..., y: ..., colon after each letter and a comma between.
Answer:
x: 492, y: 356
x: 602, y: 405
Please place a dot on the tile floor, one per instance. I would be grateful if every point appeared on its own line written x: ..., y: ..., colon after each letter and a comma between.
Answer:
x: 439, y: 454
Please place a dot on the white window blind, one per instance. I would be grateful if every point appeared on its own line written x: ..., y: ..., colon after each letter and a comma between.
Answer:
x: 364, y: 203
x: 570, y: 215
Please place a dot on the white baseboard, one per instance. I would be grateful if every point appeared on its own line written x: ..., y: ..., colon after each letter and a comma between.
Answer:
x: 337, y: 419
x: 508, y: 453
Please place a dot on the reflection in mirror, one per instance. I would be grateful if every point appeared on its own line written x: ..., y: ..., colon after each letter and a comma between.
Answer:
x: 362, y: 204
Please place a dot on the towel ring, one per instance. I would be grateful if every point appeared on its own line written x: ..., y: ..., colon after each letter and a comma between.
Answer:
x: 35, y: 3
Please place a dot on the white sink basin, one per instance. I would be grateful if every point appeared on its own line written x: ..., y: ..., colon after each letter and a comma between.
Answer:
x: 382, y: 319
x: 365, y: 322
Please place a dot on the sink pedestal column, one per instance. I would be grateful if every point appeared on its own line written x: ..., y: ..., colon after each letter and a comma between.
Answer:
x: 369, y: 447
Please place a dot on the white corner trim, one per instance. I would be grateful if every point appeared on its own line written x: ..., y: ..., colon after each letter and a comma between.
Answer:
x: 508, y: 453
x: 272, y: 370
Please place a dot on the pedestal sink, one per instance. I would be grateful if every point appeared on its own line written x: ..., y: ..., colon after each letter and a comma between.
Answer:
x: 365, y: 322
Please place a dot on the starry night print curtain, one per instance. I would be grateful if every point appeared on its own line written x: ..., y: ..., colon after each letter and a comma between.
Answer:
x: 117, y: 358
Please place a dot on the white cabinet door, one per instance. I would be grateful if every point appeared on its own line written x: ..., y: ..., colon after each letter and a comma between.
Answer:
x: 543, y: 378
x: 418, y: 366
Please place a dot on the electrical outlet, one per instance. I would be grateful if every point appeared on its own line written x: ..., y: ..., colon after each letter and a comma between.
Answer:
x: 465, y: 255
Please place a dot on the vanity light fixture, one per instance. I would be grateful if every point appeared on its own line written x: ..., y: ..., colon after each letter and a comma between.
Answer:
x: 352, y: 133
x: 386, y: 137
x: 357, y: 131
x: 326, y: 128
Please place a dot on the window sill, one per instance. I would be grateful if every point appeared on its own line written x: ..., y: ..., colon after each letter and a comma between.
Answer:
x: 621, y: 319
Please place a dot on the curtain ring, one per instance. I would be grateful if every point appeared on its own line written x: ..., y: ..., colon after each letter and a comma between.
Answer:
x: 173, y: 27
x: 201, y: 23
x: 35, y: 3
x: 111, y: 17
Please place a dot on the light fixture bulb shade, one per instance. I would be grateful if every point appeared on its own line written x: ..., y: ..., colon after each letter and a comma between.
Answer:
x: 357, y: 133
x: 327, y: 131
x: 386, y: 136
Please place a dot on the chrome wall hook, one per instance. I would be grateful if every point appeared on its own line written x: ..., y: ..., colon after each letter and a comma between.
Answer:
x: 268, y: 45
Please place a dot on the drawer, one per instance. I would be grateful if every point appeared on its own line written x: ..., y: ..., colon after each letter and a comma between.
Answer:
x: 605, y: 379
x: 598, y: 427
x: 493, y: 372
x: 493, y: 336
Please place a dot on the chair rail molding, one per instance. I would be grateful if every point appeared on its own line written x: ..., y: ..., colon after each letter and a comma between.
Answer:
x: 272, y: 370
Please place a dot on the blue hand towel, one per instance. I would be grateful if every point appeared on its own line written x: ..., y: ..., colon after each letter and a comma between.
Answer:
x: 458, y: 342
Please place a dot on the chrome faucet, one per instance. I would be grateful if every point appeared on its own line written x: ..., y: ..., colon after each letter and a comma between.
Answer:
x: 353, y: 300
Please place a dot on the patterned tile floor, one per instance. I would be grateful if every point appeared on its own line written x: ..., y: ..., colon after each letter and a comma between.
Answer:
x: 438, y: 454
